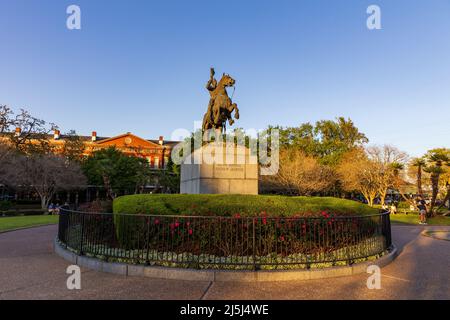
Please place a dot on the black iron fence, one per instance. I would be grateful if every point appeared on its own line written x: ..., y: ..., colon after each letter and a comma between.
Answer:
x: 225, y: 242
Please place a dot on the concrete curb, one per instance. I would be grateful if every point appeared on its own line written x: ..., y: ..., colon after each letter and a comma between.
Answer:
x: 433, y: 234
x: 219, y: 275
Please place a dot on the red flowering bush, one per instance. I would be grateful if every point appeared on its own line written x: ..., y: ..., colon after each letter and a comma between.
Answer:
x: 242, y: 236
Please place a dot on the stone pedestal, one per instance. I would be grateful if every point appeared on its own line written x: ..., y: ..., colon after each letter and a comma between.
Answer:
x: 218, y: 169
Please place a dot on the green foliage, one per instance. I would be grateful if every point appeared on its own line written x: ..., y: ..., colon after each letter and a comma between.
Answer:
x: 223, y: 205
x: 117, y: 172
x: 169, y: 179
x: 206, y: 236
x: 327, y: 140
x: 5, y: 205
x: 230, y: 205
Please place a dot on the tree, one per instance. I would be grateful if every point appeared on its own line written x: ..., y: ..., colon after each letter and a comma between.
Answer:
x: 436, y: 159
x: 169, y: 179
x: 74, y: 146
x: 5, y: 151
x: 302, y: 174
x: 327, y: 140
x: 389, y: 161
x: 45, y: 174
x: 419, y: 164
x: 358, y: 172
x: 117, y: 172
x: 6, y: 163
x: 6, y: 118
x: 32, y: 135
x: 447, y: 194
x: 401, y: 184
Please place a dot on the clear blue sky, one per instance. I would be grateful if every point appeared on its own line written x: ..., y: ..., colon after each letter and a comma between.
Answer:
x: 141, y: 66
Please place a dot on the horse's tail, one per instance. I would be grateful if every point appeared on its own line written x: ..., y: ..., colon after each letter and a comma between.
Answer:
x: 236, y: 112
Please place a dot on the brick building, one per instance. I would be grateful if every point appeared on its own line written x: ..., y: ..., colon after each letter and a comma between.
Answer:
x: 156, y: 152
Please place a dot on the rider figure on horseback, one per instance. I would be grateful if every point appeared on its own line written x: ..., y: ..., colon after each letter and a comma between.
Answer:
x: 220, y: 106
x: 211, y: 86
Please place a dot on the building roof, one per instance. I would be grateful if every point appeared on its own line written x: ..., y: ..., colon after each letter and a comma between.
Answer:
x: 100, y: 139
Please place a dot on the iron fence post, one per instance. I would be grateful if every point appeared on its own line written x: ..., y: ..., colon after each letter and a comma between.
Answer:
x: 147, y: 262
x: 387, y: 229
x: 82, y: 234
x: 254, y: 243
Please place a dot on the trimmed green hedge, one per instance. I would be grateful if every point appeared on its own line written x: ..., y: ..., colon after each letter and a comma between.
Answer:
x: 230, y: 205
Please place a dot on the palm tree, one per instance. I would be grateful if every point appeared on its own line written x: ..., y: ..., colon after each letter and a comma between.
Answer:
x: 420, y: 164
x: 447, y: 196
x: 436, y: 159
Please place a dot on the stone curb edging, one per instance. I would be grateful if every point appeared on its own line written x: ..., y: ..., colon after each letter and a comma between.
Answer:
x: 432, y: 234
x: 219, y: 275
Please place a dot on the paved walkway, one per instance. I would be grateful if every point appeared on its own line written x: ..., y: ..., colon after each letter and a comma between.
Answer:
x: 30, y: 270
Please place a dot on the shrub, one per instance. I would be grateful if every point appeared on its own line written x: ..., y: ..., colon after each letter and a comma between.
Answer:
x: 5, y: 205
x: 230, y: 205
x: 97, y: 206
x: 129, y: 228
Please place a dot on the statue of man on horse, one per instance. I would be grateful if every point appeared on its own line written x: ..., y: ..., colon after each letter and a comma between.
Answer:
x: 220, y: 107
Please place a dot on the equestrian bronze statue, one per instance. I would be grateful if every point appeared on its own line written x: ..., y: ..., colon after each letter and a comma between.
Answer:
x: 220, y: 107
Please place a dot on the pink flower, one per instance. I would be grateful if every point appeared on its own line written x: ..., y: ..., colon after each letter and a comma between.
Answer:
x: 177, y: 224
x: 264, y: 220
x: 190, y: 232
x: 282, y: 238
x: 156, y: 221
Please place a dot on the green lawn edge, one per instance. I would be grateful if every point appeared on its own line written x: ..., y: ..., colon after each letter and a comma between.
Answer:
x: 8, y: 224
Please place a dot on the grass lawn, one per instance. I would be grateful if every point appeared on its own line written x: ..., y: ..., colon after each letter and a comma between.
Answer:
x: 11, y: 223
x: 413, y: 218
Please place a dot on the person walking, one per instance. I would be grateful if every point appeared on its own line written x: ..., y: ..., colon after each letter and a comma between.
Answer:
x: 393, y: 208
x: 421, y: 205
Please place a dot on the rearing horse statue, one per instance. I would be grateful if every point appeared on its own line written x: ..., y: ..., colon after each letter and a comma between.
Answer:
x: 220, y: 106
